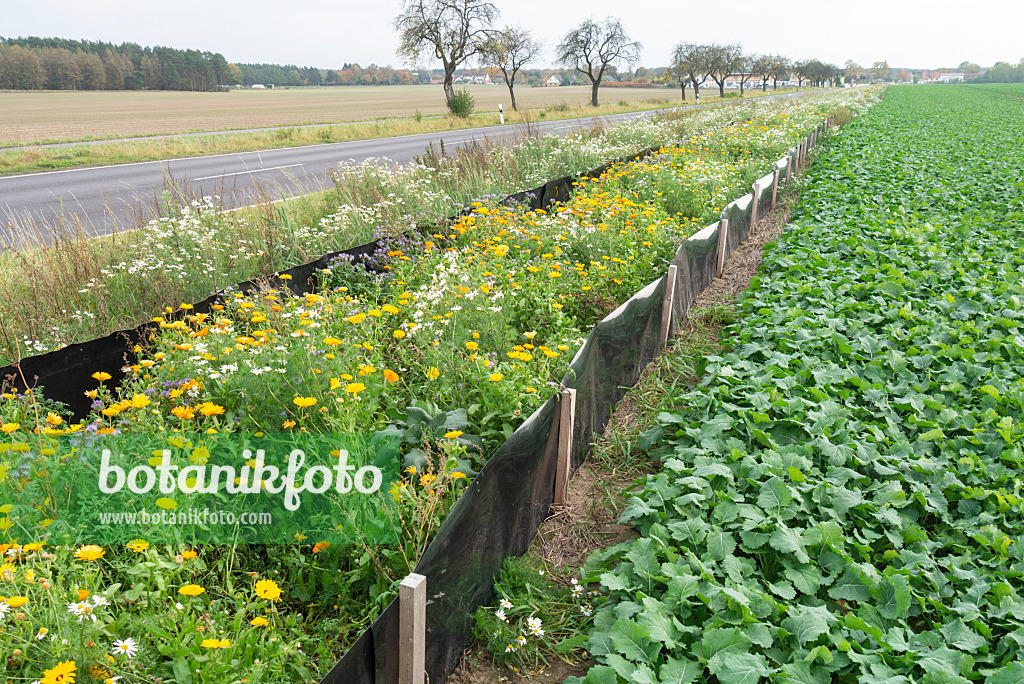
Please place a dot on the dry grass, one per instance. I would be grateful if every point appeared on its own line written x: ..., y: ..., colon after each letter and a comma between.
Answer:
x: 28, y: 117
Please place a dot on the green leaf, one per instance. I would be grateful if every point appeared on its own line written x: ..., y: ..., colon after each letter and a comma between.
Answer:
x: 679, y: 671
x: 633, y: 641
x: 571, y: 643
x: 716, y: 641
x: 739, y: 668
x: 720, y: 543
x: 802, y: 672
x: 774, y: 496
x: 893, y: 597
x: 789, y: 541
x: 959, y: 635
x: 1011, y: 674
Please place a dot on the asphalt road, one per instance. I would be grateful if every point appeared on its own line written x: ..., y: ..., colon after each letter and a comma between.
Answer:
x: 101, y: 200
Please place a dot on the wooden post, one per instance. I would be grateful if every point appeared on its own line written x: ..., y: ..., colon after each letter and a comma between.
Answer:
x: 723, y: 233
x: 668, y: 304
x: 566, y: 426
x: 753, y: 207
x: 775, y: 188
x: 412, y: 629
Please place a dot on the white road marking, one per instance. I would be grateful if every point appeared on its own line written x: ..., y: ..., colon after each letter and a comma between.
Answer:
x: 242, y: 173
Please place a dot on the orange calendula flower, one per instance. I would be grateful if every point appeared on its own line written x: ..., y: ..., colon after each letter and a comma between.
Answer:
x: 320, y: 546
x: 288, y: 424
x: 83, y: 594
x: 268, y: 589
x: 304, y: 402
x: 90, y: 552
x: 53, y: 419
x: 16, y: 601
x: 191, y: 590
x: 332, y: 341
x: 101, y: 376
x: 390, y: 375
x: 184, y: 412
x: 188, y: 555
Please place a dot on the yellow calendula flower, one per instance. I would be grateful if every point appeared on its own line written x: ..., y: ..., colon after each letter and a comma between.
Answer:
x: 216, y: 643
x: 304, y: 402
x: 8, y: 428
x: 433, y: 373
x: 259, y: 622
x: 61, y: 673
x: 354, y: 388
x: 191, y: 590
x: 101, y: 376
x: 496, y: 377
x: 454, y: 434
x: 90, y: 552
x: 398, y: 334
x: 138, y: 545
x: 472, y: 346
x: 268, y: 589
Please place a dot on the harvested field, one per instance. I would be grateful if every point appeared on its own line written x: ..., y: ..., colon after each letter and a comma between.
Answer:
x: 27, y: 117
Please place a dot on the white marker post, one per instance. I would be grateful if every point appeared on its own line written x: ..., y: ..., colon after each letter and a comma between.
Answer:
x: 566, y: 427
x: 501, y: 113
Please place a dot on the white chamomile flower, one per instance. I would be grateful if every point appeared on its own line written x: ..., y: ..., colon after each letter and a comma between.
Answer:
x: 126, y: 647
x: 506, y: 604
x: 534, y: 625
x: 500, y: 614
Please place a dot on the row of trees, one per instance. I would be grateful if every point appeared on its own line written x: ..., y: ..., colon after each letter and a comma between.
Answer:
x: 62, y: 64
x: 1003, y: 72
x: 694, y: 63
x: 458, y: 31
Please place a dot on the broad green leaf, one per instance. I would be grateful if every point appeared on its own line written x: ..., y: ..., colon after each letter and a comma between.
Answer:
x: 739, y: 668
x: 716, y: 641
x: 959, y: 635
x: 893, y: 596
x: 774, y: 496
x: 791, y: 541
x: 633, y: 641
x: 1010, y: 674
x: 679, y: 671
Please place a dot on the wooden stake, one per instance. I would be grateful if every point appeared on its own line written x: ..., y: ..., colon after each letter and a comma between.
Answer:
x: 668, y: 303
x: 412, y: 629
x: 723, y: 233
x: 775, y: 188
x: 753, y: 207
x: 566, y: 426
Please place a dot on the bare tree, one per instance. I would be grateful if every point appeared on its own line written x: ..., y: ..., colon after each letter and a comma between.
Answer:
x: 745, y: 67
x: 449, y: 30
x: 803, y: 70
x: 689, y: 64
x: 721, y: 61
x: 761, y: 66
x: 592, y: 47
x: 510, y: 49
x: 781, y: 70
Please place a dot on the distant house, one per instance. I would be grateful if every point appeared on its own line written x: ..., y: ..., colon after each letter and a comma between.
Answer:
x: 948, y: 77
x: 473, y: 77
x: 553, y: 80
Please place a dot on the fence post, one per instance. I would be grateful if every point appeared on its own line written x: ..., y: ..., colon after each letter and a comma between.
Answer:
x: 412, y: 629
x: 753, y: 207
x: 668, y: 304
x: 566, y: 427
x: 775, y: 188
x: 723, y: 232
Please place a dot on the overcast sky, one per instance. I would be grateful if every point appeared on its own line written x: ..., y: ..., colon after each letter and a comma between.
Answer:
x: 329, y: 33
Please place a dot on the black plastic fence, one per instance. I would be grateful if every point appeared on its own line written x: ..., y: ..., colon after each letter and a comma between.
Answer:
x: 498, y: 515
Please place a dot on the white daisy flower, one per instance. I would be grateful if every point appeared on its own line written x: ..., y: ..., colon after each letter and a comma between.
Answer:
x: 506, y: 604
x: 534, y: 625
x: 500, y: 614
x: 126, y: 647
